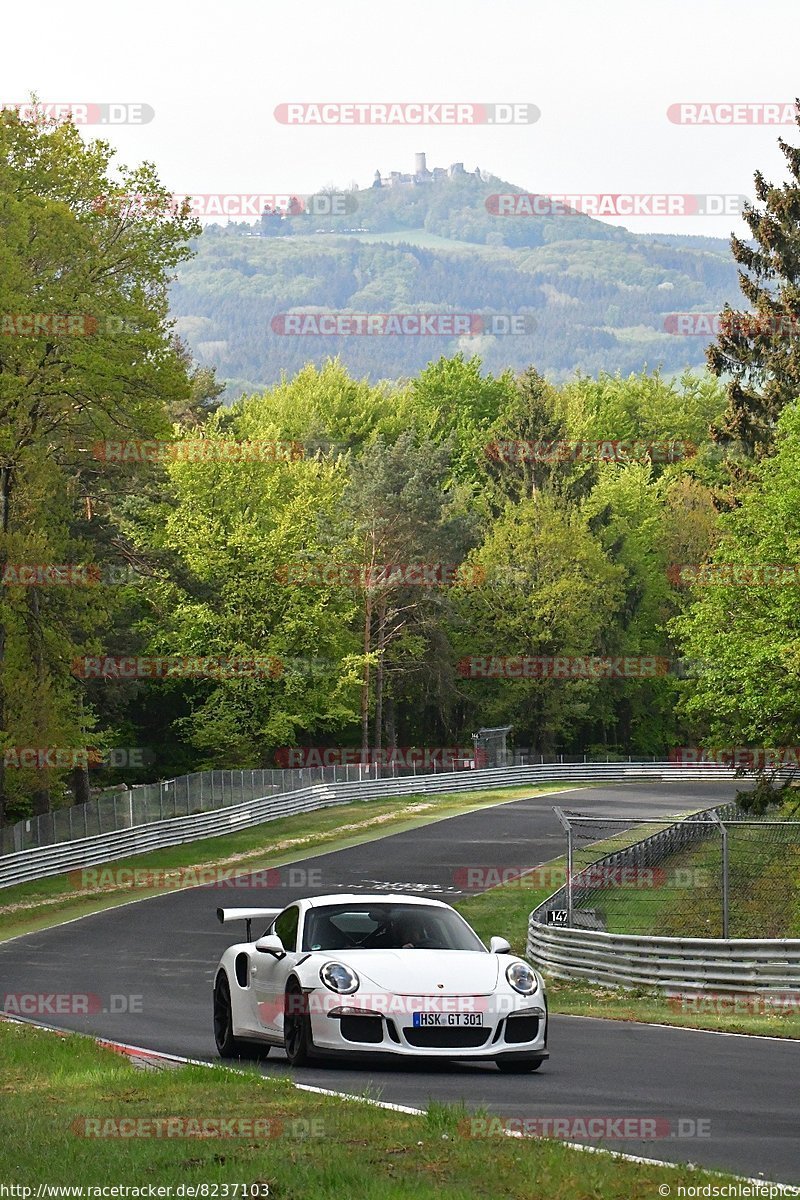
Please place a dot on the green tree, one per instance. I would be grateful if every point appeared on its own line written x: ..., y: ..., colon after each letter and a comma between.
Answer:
x: 747, y: 635
x: 402, y: 511
x: 85, y: 352
x: 550, y: 591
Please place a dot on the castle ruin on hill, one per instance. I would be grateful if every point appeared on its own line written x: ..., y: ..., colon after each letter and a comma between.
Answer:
x: 421, y: 174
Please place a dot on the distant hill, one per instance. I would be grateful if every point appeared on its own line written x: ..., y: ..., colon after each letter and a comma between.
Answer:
x: 596, y: 295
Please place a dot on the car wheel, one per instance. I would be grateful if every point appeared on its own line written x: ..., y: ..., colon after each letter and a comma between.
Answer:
x: 518, y: 1066
x: 297, y: 1026
x: 227, y: 1045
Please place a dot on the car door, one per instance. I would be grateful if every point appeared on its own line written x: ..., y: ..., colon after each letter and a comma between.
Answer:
x: 269, y: 973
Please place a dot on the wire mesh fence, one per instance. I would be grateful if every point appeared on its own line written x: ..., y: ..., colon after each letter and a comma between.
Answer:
x: 719, y: 873
x: 204, y: 791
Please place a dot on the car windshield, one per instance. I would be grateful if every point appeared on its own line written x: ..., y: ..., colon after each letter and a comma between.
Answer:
x: 387, y: 927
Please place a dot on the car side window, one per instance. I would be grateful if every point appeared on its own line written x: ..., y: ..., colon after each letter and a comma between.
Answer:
x: 286, y: 927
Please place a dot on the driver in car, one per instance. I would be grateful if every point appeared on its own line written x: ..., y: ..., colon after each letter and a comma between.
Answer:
x: 414, y: 934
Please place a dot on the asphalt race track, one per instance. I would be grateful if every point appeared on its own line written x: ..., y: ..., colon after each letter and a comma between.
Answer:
x: 165, y: 951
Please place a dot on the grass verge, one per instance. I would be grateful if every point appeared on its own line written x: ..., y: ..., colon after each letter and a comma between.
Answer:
x: 27, y: 907
x: 293, y: 1145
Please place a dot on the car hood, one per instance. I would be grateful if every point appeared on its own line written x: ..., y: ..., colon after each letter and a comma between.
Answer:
x: 423, y: 972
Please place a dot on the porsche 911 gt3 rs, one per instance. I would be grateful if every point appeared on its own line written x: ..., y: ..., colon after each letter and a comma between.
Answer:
x: 376, y: 975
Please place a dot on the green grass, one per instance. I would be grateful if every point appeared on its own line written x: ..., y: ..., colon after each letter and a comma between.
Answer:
x: 305, y: 1147
x: 412, y: 237
x: 27, y: 907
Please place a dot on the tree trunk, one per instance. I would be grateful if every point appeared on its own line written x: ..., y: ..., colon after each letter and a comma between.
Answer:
x: 391, y: 725
x: 41, y: 791
x: 79, y: 782
x: 5, y: 503
x: 365, y: 683
x: 379, y: 672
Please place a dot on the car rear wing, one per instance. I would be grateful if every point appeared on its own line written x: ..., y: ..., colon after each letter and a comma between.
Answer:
x: 249, y: 915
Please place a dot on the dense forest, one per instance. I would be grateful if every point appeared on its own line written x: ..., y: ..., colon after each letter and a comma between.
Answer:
x: 344, y: 561
x: 596, y: 295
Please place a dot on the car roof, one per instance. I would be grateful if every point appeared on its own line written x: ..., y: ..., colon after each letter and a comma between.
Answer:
x: 370, y: 898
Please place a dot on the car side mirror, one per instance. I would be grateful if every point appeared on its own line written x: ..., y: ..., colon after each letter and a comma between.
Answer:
x: 271, y: 944
x: 497, y: 945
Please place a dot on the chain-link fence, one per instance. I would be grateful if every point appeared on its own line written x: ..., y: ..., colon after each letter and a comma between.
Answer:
x: 719, y: 873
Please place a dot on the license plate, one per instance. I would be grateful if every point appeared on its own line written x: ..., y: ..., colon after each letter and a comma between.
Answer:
x: 442, y: 1020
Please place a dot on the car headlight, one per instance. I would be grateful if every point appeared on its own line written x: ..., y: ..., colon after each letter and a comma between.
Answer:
x: 522, y: 978
x: 339, y: 978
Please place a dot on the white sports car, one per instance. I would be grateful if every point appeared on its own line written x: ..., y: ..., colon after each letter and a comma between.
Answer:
x: 377, y: 974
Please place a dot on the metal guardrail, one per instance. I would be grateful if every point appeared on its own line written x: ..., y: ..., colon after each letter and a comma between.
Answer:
x: 676, y: 964
x: 43, y: 861
x: 671, y: 964
x: 206, y: 791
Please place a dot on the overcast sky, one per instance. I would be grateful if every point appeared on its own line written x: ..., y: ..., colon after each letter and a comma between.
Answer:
x: 602, y: 74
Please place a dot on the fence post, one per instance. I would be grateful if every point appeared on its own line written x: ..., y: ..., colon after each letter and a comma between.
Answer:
x: 726, y: 915
x: 566, y: 825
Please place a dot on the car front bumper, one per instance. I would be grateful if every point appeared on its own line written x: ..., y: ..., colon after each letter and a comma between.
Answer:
x: 519, y: 1032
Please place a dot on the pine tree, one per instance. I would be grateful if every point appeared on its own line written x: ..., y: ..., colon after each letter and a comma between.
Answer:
x: 759, y: 351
